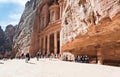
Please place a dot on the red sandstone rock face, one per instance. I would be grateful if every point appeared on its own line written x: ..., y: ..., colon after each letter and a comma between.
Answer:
x: 92, y: 27
x: 79, y: 15
x: 34, y: 44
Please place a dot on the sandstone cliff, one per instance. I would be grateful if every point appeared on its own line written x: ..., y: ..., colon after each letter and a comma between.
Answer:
x: 80, y: 15
x: 23, y: 30
x: 92, y: 27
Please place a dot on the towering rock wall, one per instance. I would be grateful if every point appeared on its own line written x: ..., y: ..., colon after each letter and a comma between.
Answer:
x: 6, y: 40
x: 9, y: 34
x: 92, y: 27
x: 79, y: 15
x: 24, y: 29
x: 2, y: 38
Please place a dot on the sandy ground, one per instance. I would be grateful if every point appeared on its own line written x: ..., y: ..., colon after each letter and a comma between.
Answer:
x: 55, y: 68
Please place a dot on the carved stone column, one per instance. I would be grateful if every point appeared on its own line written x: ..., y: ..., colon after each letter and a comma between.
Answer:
x: 44, y: 44
x: 48, y: 43
x: 99, y: 55
x: 55, y: 42
x: 39, y: 43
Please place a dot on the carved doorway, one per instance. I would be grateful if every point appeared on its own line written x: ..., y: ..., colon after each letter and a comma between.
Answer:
x: 58, y: 42
x: 52, y: 43
x: 46, y: 45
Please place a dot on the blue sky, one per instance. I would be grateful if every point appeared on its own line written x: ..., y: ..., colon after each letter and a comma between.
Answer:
x: 11, y: 11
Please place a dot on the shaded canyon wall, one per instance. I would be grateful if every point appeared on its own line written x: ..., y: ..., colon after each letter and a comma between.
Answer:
x: 2, y: 39
x: 6, y: 40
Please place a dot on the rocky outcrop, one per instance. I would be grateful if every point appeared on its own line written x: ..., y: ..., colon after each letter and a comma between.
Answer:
x: 92, y: 27
x: 9, y: 34
x: 24, y: 29
x: 6, y: 40
x: 79, y: 15
x: 2, y: 41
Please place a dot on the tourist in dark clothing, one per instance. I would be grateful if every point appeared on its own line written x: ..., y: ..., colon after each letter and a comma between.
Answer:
x: 48, y: 55
x: 38, y: 56
x: 81, y: 59
x: 86, y: 59
x: 22, y: 56
x: 76, y: 58
x: 27, y: 57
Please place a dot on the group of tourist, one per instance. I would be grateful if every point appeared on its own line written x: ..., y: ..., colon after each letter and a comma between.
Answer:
x: 82, y: 59
x: 38, y: 56
x: 67, y: 57
x: 48, y: 55
x: 6, y: 56
x: 24, y: 56
x: 78, y: 58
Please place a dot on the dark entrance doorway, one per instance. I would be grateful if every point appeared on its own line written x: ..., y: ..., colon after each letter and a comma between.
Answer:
x: 52, y: 43
x: 58, y: 42
x: 42, y: 45
x: 46, y: 45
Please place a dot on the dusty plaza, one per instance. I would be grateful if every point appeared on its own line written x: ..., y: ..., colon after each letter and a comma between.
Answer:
x: 55, y: 68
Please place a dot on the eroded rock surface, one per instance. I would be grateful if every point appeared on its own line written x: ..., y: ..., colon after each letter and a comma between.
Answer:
x: 24, y: 29
x: 9, y: 34
x: 6, y: 40
x: 79, y: 15
x: 92, y: 27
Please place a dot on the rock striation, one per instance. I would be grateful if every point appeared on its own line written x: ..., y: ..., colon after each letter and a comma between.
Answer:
x: 92, y: 27
x: 24, y: 28
x: 79, y: 15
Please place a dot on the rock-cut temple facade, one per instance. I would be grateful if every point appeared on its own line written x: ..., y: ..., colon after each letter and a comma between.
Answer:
x: 81, y: 27
x: 47, y: 26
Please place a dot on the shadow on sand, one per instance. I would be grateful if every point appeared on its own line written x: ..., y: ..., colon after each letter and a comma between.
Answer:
x: 30, y: 63
x: 1, y: 63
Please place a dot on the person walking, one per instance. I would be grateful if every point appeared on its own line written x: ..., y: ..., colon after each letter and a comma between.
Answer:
x: 38, y: 56
x: 5, y: 56
x: 27, y: 58
x: 22, y: 56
